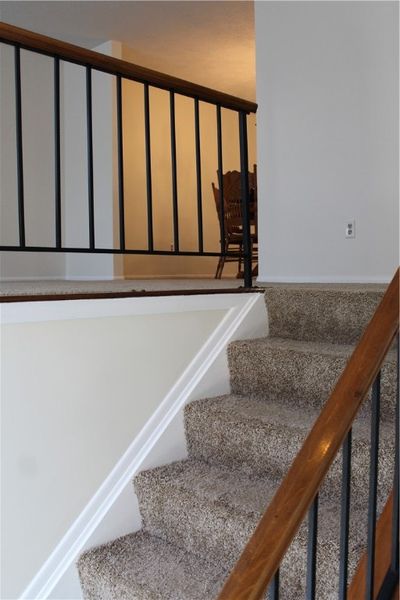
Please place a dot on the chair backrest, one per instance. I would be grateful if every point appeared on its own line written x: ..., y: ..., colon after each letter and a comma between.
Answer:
x: 231, y: 184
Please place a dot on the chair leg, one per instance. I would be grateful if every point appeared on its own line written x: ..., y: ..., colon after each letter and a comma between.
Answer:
x: 221, y: 263
x: 223, y: 258
x: 220, y: 266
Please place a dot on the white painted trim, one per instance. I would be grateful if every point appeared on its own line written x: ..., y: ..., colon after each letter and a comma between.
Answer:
x: 92, y: 277
x: 209, y: 275
x: 73, y: 542
x: 322, y: 279
x: 61, y: 278
x: 46, y: 278
x: 41, y: 311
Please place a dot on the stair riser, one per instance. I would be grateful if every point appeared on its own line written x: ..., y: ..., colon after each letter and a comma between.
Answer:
x: 303, y: 379
x: 336, y: 316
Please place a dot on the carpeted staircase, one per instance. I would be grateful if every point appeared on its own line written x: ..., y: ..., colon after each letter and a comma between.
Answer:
x: 199, y: 513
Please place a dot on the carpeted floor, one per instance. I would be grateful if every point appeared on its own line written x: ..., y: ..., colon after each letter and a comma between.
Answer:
x: 49, y: 287
x: 199, y: 513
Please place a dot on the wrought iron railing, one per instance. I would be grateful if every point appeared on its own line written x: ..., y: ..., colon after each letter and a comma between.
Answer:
x: 377, y: 576
x: 91, y: 61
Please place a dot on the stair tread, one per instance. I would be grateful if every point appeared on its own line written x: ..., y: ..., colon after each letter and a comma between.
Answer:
x: 140, y: 566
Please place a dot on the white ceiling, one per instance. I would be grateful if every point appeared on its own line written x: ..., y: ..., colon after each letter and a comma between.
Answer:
x: 208, y: 42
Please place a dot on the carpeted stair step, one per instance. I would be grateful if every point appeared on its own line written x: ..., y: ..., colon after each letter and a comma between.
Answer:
x: 208, y: 510
x: 262, y: 438
x: 298, y: 373
x: 334, y: 313
x: 212, y: 511
x: 139, y: 566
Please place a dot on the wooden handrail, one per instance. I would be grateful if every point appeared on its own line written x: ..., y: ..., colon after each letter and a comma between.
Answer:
x: 52, y: 47
x: 283, y: 517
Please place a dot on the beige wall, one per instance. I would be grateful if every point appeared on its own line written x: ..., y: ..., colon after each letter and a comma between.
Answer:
x: 135, y: 178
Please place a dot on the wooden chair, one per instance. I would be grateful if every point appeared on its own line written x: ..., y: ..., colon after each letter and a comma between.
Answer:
x: 233, y: 228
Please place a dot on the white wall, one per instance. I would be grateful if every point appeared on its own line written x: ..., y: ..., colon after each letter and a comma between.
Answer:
x: 327, y: 89
x: 38, y: 154
x: 74, y: 172
x: 75, y: 393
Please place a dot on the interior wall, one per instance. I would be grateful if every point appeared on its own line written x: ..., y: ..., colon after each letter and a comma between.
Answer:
x: 135, y: 179
x: 327, y: 89
x: 75, y: 169
x: 38, y: 143
x: 88, y: 388
x: 38, y: 156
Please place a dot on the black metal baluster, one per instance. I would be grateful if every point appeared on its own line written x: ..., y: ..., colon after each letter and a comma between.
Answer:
x: 274, y: 587
x: 20, y: 158
x: 344, y: 517
x: 392, y: 576
x: 312, y: 550
x: 150, y: 238
x: 245, y: 193
x: 57, y: 151
x: 221, y: 180
x: 174, y: 168
x: 395, y: 515
x: 89, y: 121
x: 373, y: 483
x: 120, y: 166
x: 198, y: 175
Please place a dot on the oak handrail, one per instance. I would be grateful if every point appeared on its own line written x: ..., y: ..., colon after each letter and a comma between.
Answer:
x: 283, y: 517
x: 115, y: 66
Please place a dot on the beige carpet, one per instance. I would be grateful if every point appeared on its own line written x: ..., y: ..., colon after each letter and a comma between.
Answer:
x: 46, y: 287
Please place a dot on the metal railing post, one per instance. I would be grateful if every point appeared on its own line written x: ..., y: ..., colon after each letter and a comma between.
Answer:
x: 244, y: 168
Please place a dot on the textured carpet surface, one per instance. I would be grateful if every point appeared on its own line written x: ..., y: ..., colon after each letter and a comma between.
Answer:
x: 199, y: 513
x: 44, y: 287
x: 337, y: 314
x: 298, y: 372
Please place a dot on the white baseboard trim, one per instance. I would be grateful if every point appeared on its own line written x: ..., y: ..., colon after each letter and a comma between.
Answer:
x: 173, y: 277
x: 44, y: 278
x: 323, y: 279
x: 73, y: 542
x: 63, y: 278
x: 92, y: 277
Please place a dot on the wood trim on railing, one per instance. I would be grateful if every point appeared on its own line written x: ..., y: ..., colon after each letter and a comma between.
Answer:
x: 283, y: 517
x: 52, y: 47
x: 382, y: 553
